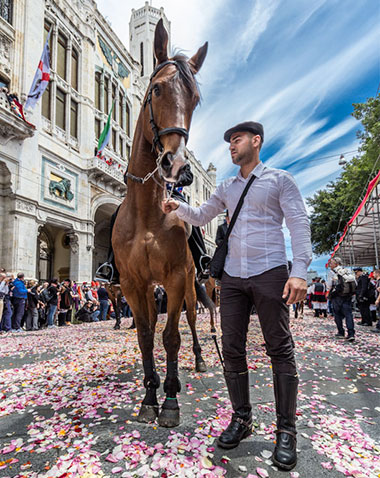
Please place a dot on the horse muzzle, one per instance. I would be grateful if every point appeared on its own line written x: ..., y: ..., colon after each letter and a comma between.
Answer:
x: 171, y: 166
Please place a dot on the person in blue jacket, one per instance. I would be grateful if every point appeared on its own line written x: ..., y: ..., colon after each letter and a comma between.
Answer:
x: 19, y: 296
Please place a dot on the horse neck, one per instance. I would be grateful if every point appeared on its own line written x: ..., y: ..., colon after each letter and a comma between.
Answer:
x: 143, y: 161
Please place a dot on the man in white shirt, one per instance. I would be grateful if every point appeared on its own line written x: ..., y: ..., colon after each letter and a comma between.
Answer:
x: 255, y: 273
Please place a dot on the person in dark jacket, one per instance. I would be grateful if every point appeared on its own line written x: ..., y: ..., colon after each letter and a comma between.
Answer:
x: 52, y: 302
x: 19, y: 296
x: 362, y: 299
x: 108, y: 271
x: 32, y: 307
x: 103, y: 302
x: 222, y: 230
x: 65, y: 304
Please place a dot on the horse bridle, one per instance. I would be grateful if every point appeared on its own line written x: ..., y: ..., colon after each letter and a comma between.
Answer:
x: 156, y: 132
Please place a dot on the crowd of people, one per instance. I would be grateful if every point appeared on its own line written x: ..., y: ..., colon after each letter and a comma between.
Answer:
x: 27, y: 305
x: 345, y: 295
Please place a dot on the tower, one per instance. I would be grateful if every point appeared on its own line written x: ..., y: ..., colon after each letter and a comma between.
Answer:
x: 141, y: 36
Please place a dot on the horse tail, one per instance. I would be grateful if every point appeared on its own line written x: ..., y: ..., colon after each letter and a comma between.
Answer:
x: 203, y: 297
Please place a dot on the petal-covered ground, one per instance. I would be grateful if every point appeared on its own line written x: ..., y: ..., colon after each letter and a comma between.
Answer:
x: 69, y: 399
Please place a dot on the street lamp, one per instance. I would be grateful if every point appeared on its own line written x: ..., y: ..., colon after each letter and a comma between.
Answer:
x: 342, y: 160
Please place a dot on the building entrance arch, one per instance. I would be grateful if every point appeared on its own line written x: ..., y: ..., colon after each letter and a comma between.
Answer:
x: 102, y: 233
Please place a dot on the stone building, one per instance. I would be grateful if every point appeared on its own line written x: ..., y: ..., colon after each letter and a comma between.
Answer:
x: 56, y: 197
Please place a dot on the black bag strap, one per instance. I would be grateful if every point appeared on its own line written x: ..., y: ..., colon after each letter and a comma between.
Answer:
x: 238, y: 207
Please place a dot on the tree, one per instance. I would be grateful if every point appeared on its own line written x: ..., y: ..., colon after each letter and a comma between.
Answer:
x: 332, y: 207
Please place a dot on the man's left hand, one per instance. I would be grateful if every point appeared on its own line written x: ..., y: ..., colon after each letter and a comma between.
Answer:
x: 296, y: 289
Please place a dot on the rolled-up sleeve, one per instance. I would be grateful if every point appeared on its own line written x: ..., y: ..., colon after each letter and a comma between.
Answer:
x: 199, y: 216
x: 297, y: 222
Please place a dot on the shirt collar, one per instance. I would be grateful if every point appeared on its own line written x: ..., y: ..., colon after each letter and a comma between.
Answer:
x: 257, y: 171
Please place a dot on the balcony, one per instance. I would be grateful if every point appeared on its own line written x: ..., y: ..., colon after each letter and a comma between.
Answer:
x: 11, y: 126
x: 105, y: 176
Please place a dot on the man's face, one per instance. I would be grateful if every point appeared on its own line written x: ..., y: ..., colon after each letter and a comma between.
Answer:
x: 333, y: 264
x: 358, y: 273
x: 242, y: 147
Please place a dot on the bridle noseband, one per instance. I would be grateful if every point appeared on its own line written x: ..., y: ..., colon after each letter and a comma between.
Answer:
x: 156, y: 132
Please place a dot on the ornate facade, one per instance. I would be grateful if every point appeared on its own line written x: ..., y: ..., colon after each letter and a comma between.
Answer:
x: 56, y: 196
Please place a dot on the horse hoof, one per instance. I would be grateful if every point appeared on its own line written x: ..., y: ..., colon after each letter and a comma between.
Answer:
x: 117, y: 327
x: 200, y: 366
x: 148, y: 413
x: 168, y: 418
x: 213, y: 330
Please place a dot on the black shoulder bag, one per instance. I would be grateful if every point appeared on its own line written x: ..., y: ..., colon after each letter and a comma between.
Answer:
x: 220, y: 254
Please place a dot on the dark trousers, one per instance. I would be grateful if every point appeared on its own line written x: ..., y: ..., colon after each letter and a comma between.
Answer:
x: 6, y: 320
x: 237, y: 296
x: 365, y: 312
x: 18, y: 312
x: 342, y: 309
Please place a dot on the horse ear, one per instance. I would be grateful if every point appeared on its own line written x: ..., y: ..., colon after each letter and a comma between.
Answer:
x: 197, y: 60
x: 161, y: 42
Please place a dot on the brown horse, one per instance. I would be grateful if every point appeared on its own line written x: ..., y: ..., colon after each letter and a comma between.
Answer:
x: 151, y: 247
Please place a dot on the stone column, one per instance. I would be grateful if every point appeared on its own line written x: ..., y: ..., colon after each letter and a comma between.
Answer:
x: 80, y: 256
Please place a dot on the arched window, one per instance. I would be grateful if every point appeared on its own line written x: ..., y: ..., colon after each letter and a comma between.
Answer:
x: 61, y: 56
x: 6, y: 10
x: 97, y: 90
x: 127, y: 119
x: 142, y: 58
x: 74, y: 69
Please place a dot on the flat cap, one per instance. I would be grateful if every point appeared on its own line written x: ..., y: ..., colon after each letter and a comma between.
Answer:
x: 249, y: 126
x: 357, y: 269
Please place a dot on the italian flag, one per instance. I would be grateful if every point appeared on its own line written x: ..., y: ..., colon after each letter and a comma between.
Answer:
x: 105, y: 135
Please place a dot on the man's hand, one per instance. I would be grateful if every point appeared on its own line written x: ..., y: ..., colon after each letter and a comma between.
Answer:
x: 169, y: 205
x: 296, y: 289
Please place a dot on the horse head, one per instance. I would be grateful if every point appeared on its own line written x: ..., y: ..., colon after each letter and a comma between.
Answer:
x: 169, y: 104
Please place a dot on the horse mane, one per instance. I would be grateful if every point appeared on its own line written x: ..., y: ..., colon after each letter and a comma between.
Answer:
x: 185, y: 72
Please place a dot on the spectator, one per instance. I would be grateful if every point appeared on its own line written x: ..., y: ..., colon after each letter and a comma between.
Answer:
x: 377, y: 302
x: 362, y: 296
x: 103, y: 302
x: 6, y: 316
x: 3, y: 291
x: 19, y: 295
x: 65, y: 304
x: 52, y: 302
x: 319, y: 301
x: 32, y: 306
x: 341, y: 286
x: 222, y: 230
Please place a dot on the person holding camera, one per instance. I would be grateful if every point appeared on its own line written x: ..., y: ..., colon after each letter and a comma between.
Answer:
x: 256, y: 273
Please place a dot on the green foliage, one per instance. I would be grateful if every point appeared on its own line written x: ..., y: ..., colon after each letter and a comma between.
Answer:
x: 333, y: 206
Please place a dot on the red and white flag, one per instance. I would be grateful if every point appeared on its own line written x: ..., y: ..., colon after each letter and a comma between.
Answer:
x: 41, y: 78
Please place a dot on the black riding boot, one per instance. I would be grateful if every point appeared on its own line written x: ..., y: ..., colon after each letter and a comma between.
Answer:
x: 285, y: 392
x: 241, y: 422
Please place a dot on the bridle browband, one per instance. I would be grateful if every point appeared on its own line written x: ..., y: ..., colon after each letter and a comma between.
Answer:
x: 156, y: 132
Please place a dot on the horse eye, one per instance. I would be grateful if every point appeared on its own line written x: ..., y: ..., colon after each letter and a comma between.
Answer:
x: 156, y: 90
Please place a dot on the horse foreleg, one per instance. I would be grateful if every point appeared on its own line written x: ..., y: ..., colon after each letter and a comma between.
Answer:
x: 145, y: 334
x: 191, y: 315
x: 117, y: 308
x: 169, y: 416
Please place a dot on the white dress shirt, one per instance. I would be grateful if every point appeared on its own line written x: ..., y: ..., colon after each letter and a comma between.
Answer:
x: 257, y: 243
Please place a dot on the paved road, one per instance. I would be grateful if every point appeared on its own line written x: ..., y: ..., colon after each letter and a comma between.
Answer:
x: 69, y: 398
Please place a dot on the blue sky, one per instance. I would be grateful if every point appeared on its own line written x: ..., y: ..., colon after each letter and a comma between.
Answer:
x: 294, y: 65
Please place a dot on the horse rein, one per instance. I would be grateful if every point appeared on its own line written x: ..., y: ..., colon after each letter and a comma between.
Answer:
x: 156, y: 132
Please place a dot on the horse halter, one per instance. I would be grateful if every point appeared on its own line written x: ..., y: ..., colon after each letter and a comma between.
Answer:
x: 156, y: 132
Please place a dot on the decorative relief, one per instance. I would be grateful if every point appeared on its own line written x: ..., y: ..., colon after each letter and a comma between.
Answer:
x: 5, y: 55
x: 61, y: 189
x: 25, y: 206
x: 74, y: 242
